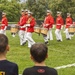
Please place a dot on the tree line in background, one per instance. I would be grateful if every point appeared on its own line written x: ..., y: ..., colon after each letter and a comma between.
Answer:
x: 38, y: 7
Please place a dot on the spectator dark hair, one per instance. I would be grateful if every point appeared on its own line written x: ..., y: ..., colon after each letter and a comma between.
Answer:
x: 39, y: 52
x: 3, y: 43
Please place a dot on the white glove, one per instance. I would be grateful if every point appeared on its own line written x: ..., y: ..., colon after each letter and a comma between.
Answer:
x: 1, y: 31
x: 2, y: 24
x: 61, y: 27
x: 27, y: 25
x: 5, y: 27
x: 43, y: 24
x: 47, y: 24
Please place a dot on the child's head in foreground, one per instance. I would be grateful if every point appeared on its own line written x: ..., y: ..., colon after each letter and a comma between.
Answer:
x: 39, y: 52
x: 3, y: 43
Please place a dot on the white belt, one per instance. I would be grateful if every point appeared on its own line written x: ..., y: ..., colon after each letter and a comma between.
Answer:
x: 22, y: 26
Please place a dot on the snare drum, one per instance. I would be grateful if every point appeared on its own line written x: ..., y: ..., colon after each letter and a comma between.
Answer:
x: 71, y: 29
x: 14, y: 29
x: 37, y: 29
x: 44, y: 31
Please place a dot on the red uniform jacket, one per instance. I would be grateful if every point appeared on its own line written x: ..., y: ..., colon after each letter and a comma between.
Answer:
x: 22, y: 22
x: 68, y: 22
x: 32, y: 24
x: 59, y: 22
x: 4, y: 22
x: 49, y: 21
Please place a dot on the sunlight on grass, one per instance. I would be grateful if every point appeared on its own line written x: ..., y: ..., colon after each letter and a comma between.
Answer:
x: 60, y: 53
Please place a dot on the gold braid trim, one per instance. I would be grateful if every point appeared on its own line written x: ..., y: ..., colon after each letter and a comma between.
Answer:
x: 29, y: 20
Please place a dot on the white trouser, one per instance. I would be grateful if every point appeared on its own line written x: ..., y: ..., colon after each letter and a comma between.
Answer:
x: 25, y: 36
x: 29, y: 39
x: 49, y: 34
x: 21, y: 36
x: 58, y: 34
x: 45, y: 37
x: 3, y: 31
x: 67, y: 33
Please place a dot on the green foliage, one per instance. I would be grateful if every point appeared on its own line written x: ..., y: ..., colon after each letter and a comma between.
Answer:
x: 12, y: 8
x: 63, y: 6
x: 38, y: 7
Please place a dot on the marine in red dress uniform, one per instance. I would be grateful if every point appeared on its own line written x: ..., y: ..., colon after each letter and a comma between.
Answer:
x: 48, y: 23
x: 59, y: 24
x: 4, y: 23
x: 51, y: 22
x: 68, y: 23
x: 30, y: 29
x: 21, y: 24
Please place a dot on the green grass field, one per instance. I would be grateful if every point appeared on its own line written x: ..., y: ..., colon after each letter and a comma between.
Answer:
x: 59, y: 54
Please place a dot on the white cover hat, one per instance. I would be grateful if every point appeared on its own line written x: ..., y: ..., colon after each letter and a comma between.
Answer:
x: 30, y: 12
x: 26, y: 10
x: 49, y: 11
x: 22, y: 10
x: 58, y: 12
x: 4, y: 13
x: 68, y: 14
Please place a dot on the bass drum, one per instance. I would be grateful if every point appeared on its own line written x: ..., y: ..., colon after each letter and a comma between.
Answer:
x: 14, y: 29
x: 37, y: 29
x: 44, y: 31
x: 71, y: 29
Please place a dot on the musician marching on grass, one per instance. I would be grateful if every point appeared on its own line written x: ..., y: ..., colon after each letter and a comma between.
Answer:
x: 69, y: 22
x: 48, y: 23
x: 4, y: 24
x: 59, y: 26
x: 30, y: 29
x: 26, y: 16
x: 51, y: 22
x: 21, y: 24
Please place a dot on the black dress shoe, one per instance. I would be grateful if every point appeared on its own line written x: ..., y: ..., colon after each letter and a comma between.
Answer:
x: 59, y: 40
x: 23, y: 43
x: 46, y: 43
x: 68, y: 38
